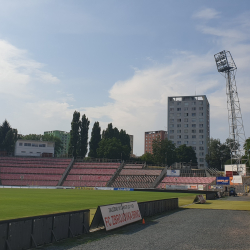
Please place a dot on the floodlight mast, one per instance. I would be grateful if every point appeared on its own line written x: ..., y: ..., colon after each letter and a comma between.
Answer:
x: 227, y: 67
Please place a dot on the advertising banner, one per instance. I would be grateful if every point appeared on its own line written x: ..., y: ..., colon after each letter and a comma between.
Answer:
x: 121, y: 214
x: 104, y: 188
x: 177, y: 187
x: 174, y: 173
x: 222, y: 181
x: 235, y: 180
x: 200, y: 187
x: 124, y: 189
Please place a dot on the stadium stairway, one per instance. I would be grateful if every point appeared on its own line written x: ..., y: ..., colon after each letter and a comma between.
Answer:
x: 160, y: 177
x: 66, y: 172
x: 117, y: 172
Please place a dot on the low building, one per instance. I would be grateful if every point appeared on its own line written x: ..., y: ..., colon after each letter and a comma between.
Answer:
x: 64, y: 137
x: 150, y: 136
x: 34, y: 148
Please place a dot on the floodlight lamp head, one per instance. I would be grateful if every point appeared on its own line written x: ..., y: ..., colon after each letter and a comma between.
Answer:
x: 224, y: 62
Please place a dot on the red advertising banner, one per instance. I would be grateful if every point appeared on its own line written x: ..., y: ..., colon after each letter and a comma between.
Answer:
x: 117, y: 215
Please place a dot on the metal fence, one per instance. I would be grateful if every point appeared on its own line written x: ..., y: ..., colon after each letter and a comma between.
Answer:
x: 30, y: 232
x: 150, y: 208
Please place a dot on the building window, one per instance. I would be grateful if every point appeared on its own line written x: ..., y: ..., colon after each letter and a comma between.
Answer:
x: 194, y: 142
x: 171, y: 120
x: 185, y: 103
x: 186, y: 114
x: 178, y: 109
x: 194, y: 148
x: 179, y: 142
x: 201, y: 131
x: 171, y: 109
x: 193, y: 136
x: 200, y: 142
x: 200, y: 114
x: 171, y: 125
x: 200, y: 136
x: 201, y: 103
x: 171, y: 131
x: 186, y: 125
x: 193, y: 120
x: 42, y: 145
x: 201, y: 160
x: 171, y: 137
x: 185, y: 108
x: 193, y: 130
x: 201, y: 154
x: 193, y: 125
x: 201, y: 148
x: 185, y: 130
x: 178, y: 114
x: 179, y: 131
x: 193, y: 108
x: 185, y: 119
x: 171, y: 115
x: 178, y: 103
x: 200, y: 125
x: 200, y: 108
x: 193, y: 103
x: 185, y: 136
x: 178, y: 120
x: 34, y: 145
x: 193, y: 114
x: 178, y: 136
x: 201, y: 120
x: 23, y: 152
x: 20, y: 144
x: 201, y: 165
x: 186, y: 142
x: 27, y: 144
x: 178, y: 125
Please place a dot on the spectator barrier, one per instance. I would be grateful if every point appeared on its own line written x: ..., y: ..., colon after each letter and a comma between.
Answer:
x: 30, y: 232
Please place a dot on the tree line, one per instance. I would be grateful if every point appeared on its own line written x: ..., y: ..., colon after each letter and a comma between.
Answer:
x: 111, y: 143
x: 166, y: 153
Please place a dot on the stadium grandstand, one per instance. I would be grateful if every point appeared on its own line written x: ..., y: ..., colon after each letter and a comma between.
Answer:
x: 38, y: 171
x: 91, y: 174
x: 31, y: 171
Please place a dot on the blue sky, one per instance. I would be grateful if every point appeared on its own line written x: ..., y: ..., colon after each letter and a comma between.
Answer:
x: 118, y: 61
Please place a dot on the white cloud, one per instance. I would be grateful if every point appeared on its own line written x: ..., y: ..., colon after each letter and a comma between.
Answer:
x: 207, y: 14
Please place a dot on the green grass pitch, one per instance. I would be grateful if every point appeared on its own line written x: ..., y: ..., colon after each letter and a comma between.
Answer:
x: 17, y: 203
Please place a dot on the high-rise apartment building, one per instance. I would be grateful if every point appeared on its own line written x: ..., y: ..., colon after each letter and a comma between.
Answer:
x: 131, y: 138
x: 189, y: 123
x: 153, y: 135
x: 65, y: 137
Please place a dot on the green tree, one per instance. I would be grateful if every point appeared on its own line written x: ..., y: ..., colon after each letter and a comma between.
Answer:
x: 122, y: 141
x: 56, y: 140
x: 74, y: 134
x: 95, y: 139
x: 185, y: 154
x: 164, y: 151
x: 83, y: 140
x: 112, y: 149
x: 8, y: 137
x: 218, y: 153
x: 33, y: 137
x: 148, y: 158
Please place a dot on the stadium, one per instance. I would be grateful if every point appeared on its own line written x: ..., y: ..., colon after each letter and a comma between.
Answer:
x: 34, y: 189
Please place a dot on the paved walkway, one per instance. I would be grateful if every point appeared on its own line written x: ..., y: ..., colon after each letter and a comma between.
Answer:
x: 183, y: 229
